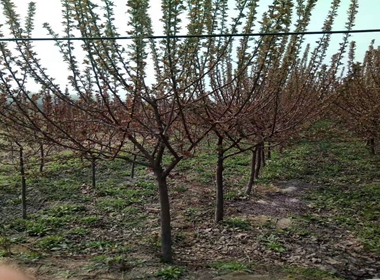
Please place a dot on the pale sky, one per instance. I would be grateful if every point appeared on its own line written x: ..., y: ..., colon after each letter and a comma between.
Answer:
x: 50, y: 11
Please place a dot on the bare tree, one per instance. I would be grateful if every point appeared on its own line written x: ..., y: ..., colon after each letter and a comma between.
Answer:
x: 358, y: 93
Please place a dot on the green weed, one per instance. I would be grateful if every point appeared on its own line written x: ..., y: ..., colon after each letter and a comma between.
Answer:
x: 53, y: 242
x: 109, y: 204
x: 272, y: 242
x: 90, y: 220
x: 30, y: 256
x: 170, y: 273
x: 131, y: 210
x: 4, y: 254
x: 230, y: 266
x: 65, y: 210
x: 101, y: 245
x: 37, y: 229
x: 192, y: 214
x: 234, y: 195
x: 5, y: 246
x: 237, y: 223
x: 181, y: 189
x: 78, y: 231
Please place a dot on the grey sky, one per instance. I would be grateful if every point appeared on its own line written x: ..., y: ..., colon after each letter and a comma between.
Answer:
x: 50, y: 11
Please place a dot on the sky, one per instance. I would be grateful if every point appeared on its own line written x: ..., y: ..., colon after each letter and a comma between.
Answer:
x: 50, y: 11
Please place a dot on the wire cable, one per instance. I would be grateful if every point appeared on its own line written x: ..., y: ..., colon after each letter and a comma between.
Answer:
x: 193, y: 36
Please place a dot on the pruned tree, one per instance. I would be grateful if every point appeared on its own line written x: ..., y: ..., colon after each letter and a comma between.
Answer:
x: 357, y: 104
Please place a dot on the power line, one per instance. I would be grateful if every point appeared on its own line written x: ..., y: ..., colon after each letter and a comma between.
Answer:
x: 193, y: 36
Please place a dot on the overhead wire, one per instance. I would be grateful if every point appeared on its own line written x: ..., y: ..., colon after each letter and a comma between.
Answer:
x: 154, y: 37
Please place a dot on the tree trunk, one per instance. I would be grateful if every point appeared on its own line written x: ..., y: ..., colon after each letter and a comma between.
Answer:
x: 258, y: 161
x: 166, y: 235
x: 371, y: 143
x: 23, y: 181
x: 133, y: 167
x: 269, y: 153
x: 219, y: 212
x: 42, y: 157
x: 12, y: 153
x: 93, y: 172
x: 263, y: 154
x: 252, y: 173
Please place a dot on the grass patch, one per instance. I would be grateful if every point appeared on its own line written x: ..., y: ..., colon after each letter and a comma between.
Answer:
x: 52, y: 242
x: 348, y: 178
x: 237, y: 223
x: 228, y: 266
x: 272, y: 242
x: 170, y: 273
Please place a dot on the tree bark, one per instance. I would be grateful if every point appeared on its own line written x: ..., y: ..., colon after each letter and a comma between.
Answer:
x: 219, y: 212
x: 263, y: 154
x: 269, y: 153
x: 166, y: 235
x: 42, y: 157
x: 133, y: 167
x: 372, y: 146
x: 12, y: 153
x: 23, y: 181
x: 252, y: 173
x: 93, y: 172
x: 258, y: 161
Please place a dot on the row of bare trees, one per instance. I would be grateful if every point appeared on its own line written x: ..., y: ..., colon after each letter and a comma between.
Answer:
x: 358, y: 103
x: 246, y: 93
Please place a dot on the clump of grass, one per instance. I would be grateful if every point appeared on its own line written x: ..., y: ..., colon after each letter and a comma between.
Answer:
x: 237, y: 223
x: 112, y: 204
x: 272, y: 242
x: 90, y: 220
x: 65, y: 210
x: 50, y: 242
x: 170, y: 273
x: 227, y: 266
